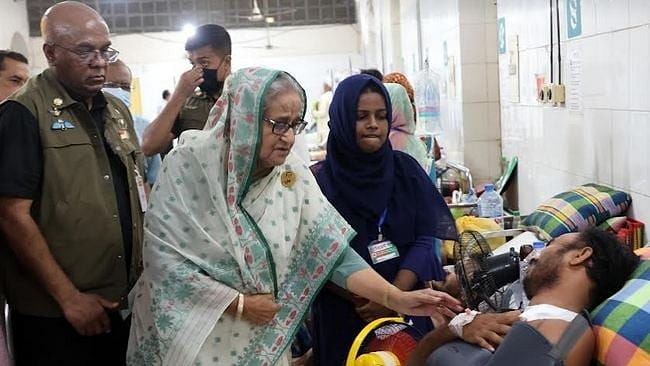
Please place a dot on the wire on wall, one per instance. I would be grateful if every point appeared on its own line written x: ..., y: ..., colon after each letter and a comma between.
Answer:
x: 559, y: 49
x: 550, y: 8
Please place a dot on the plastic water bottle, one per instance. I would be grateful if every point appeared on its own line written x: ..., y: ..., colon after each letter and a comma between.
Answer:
x: 491, y: 205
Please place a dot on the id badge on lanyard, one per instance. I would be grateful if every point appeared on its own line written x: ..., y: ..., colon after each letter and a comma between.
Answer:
x: 382, y: 250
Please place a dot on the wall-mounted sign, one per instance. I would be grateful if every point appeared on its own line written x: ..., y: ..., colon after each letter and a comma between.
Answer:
x: 574, y: 82
x: 573, y: 18
x: 501, y: 35
x: 513, y: 68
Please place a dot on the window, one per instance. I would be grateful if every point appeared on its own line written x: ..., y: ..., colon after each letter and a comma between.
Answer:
x: 136, y: 16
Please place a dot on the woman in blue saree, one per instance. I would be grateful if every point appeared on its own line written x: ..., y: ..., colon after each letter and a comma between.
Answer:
x: 239, y: 239
x: 388, y: 200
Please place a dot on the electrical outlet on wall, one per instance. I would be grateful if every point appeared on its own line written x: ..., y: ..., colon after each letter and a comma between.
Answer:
x: 557, y: 94
x: 545, y: 94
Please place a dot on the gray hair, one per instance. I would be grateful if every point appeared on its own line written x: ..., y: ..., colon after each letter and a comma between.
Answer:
x: 282, y: 84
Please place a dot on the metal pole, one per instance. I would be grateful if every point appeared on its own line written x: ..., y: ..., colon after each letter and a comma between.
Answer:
x: 419, y: 30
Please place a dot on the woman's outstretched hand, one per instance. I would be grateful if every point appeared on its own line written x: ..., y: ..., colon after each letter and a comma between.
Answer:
x: 426, y: 302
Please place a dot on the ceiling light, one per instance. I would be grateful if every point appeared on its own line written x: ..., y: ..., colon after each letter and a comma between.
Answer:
x: 188, y: 30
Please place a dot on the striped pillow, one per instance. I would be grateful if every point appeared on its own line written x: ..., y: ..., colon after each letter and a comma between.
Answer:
x: 576, y: 210
x: 621, y: 323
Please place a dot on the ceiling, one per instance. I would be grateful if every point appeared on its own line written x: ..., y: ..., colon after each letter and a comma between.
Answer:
x: 136, y: 16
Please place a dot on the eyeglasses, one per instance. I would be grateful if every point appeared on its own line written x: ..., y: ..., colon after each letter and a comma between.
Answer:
x: 122, y: 86
x: 88, y: 55
x: 281, y: 127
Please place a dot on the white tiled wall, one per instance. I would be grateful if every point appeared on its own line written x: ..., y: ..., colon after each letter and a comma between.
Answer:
x: 480, y: 74
x: 639, y: 70
x: 608, y: 141
x: 440, y: 24
x: 409, y: 40
x: 470, y: 114
x: 474, y: 82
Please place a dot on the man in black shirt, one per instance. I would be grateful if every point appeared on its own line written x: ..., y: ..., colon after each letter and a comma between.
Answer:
x: 14, y: 73
x: 209, y: 52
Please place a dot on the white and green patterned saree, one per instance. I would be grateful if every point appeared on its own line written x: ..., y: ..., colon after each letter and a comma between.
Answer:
x: 211, y: 232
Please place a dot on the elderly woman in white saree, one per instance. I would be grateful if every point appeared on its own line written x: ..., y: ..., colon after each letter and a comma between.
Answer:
x: 239, y: 239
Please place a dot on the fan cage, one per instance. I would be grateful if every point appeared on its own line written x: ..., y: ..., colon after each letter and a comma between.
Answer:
x: 479, y: 289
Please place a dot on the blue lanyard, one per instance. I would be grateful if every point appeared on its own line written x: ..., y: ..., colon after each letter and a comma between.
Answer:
x: 382, y: 218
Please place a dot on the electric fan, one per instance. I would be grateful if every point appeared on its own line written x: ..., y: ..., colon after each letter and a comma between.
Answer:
x: 384, y: 342
x: 483, y: 276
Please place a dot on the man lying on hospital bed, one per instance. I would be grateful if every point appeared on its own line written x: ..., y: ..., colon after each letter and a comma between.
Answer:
x: 575, y: 272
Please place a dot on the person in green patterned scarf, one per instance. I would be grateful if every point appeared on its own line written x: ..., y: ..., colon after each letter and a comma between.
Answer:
x: 402, y: 129
x: 239, y: 239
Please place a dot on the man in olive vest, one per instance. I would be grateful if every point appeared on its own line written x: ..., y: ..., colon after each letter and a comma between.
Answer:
x: 118, y: 83
x: 209, y: 52
x: 71, y: 200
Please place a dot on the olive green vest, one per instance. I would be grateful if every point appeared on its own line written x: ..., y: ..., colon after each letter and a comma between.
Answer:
x: 77, y: 210
x: 195, y: 112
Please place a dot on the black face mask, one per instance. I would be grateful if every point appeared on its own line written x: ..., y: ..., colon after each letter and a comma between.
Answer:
x: 211, y: 85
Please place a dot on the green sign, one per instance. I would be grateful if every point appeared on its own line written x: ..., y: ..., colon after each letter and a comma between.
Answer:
x: 573, y: 18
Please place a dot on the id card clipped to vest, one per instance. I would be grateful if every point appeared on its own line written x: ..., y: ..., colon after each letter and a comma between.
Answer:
x: 382, y: 250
